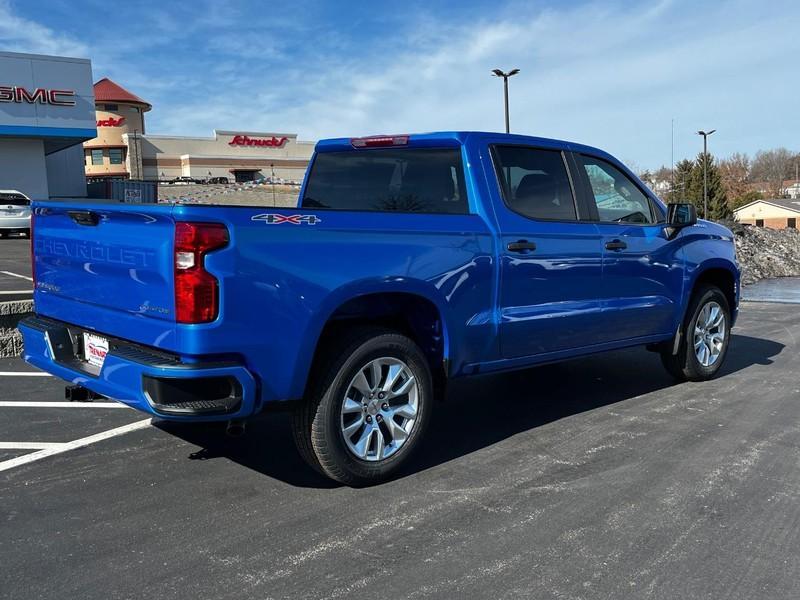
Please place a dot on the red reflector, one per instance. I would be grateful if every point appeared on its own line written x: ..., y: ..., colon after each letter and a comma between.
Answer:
x: 196, y: 290
x: 378, y: 141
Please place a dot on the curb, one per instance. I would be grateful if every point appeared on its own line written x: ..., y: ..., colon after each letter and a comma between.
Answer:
x: 10, y: 338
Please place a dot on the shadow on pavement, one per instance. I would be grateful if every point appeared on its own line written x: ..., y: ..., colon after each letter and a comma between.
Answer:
x: 479, y: 412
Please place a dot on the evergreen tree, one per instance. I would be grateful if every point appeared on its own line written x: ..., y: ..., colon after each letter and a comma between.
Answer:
x: 718, y: 207
x: 683, y: 175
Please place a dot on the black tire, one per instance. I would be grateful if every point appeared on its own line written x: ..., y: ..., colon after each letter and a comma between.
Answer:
x: 685, y: 366
x: 317, y: 424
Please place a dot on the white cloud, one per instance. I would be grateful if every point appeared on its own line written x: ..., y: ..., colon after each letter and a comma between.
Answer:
x: 23, y: 35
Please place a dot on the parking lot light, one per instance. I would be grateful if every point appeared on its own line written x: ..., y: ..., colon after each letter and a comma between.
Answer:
x: 505, y: 76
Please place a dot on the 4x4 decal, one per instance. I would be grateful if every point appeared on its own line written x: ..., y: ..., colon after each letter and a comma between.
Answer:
x: 276, y: 219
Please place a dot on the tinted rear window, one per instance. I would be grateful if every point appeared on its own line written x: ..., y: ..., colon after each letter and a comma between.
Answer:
x: 14, y: 200
x: 388, y: 179
x: 535, y: 183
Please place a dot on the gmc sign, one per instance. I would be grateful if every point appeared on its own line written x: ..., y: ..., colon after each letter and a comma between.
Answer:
x: 15, y: 93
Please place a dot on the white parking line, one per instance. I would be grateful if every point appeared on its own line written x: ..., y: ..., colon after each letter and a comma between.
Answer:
x: 29, y: 445
x: 66, y: 447
x: 34, y: 404
x: 17, y: 275
x: 11, y: 292
x: 24, y: 374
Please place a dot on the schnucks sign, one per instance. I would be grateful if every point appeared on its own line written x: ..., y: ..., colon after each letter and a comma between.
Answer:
x: 273, y: 142
x: 110, y: 122
x: 18, y: 94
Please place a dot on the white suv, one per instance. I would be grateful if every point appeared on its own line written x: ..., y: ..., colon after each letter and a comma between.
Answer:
x: 15, y: 213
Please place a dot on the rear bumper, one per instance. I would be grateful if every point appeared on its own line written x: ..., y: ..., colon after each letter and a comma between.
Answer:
x: 15, y: 222
x: 144, y: 379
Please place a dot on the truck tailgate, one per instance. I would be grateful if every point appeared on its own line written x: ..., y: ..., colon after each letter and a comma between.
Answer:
x: 107, y: 267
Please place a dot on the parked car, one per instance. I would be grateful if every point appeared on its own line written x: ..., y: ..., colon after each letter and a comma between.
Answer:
x: 218, y: 180
x: 410, y: 261
x: 15, y: 213
x: 184, y: 180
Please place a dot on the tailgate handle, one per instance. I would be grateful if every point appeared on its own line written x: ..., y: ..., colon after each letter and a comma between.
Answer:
x: 84, y: 217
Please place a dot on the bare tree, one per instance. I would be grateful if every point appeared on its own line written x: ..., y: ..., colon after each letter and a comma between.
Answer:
x: 735, y: 173
x: 772, y: 167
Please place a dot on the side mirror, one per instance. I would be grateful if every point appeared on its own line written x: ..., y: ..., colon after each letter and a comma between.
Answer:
x: 681, y: 215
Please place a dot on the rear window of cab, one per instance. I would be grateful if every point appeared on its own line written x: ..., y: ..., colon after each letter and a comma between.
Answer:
x: 408, y: 180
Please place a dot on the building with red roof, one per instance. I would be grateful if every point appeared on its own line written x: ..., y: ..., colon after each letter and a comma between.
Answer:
x: 116, y: 151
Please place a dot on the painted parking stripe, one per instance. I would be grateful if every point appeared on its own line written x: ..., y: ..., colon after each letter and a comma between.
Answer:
x: 30, y: 445
x: 12, y: 292
x: 24, y: 374
x: 34, y: 404
x: 92, y: 439
x: 17, y: 275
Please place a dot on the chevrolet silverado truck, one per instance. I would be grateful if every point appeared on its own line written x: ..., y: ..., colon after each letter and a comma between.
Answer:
x: 409, y: 261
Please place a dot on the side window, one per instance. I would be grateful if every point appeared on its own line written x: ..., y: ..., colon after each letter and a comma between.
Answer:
x: 535, y: 183
x: 618, y: 199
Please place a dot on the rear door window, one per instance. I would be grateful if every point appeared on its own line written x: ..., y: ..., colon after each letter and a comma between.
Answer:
x: 388, y: 179
x: 535, y: 183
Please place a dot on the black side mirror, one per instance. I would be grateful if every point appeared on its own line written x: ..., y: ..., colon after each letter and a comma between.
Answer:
x: 681, y: 215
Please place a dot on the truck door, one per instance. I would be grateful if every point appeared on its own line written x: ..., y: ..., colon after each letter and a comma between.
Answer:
x: 642, y: 268
x: 550, y: 254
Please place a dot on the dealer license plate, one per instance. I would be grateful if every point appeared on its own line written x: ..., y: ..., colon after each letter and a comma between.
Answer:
x: 95, y: 348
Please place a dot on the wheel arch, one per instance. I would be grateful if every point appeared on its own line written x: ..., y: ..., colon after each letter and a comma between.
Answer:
x: 721, y: 275
x: 412, y: 310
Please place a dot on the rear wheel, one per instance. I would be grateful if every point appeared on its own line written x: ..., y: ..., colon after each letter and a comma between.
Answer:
x: 705, y: 336
x: 369, y: 408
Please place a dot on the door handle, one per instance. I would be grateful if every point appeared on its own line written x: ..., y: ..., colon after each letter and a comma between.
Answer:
x: 616, y: 245
x: 521, y: 246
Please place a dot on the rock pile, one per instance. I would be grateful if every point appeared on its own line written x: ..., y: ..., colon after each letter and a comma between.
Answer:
x: 764, y: 253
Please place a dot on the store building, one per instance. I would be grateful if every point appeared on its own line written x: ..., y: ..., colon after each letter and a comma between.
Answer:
x: 46, y: 112
x: 123, y: 148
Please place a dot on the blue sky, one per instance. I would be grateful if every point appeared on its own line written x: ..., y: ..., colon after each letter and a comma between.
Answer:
x: 610, y: 74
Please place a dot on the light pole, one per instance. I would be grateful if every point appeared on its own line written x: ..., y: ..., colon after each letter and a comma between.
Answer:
x: 505, y: 76
x: 705, y: 135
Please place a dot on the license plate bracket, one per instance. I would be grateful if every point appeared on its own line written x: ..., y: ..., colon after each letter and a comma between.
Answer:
x: 95, y: 348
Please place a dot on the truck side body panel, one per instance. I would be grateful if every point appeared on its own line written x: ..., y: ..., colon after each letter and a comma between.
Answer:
x: 285, y: 273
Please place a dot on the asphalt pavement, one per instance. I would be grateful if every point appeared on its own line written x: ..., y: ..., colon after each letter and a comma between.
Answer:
x: 15, y: 269
x: 598, y: 478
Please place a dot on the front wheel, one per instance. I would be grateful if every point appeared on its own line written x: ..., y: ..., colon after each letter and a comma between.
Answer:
x: 705, y: 336
x: 369, y: 408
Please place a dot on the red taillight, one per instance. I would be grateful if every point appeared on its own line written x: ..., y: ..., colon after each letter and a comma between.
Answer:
x: 196, y: 290
x: 379, y: 141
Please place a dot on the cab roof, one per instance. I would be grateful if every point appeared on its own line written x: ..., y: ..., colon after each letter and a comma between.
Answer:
x: 459, y: 138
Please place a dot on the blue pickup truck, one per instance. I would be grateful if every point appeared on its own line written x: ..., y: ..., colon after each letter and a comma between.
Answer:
x: 409, y: 261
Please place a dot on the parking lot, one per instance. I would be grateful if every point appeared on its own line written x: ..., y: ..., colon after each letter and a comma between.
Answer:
x: 15, y: 269
x: 595, y: 478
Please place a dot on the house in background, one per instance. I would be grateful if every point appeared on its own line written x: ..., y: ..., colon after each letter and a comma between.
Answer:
x: 773, y: 213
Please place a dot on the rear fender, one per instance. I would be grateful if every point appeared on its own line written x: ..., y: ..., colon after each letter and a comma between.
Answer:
x: 350, y: 291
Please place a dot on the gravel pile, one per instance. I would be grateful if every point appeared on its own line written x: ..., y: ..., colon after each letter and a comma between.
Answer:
x: 231, y: 194
x: 765, y: 253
